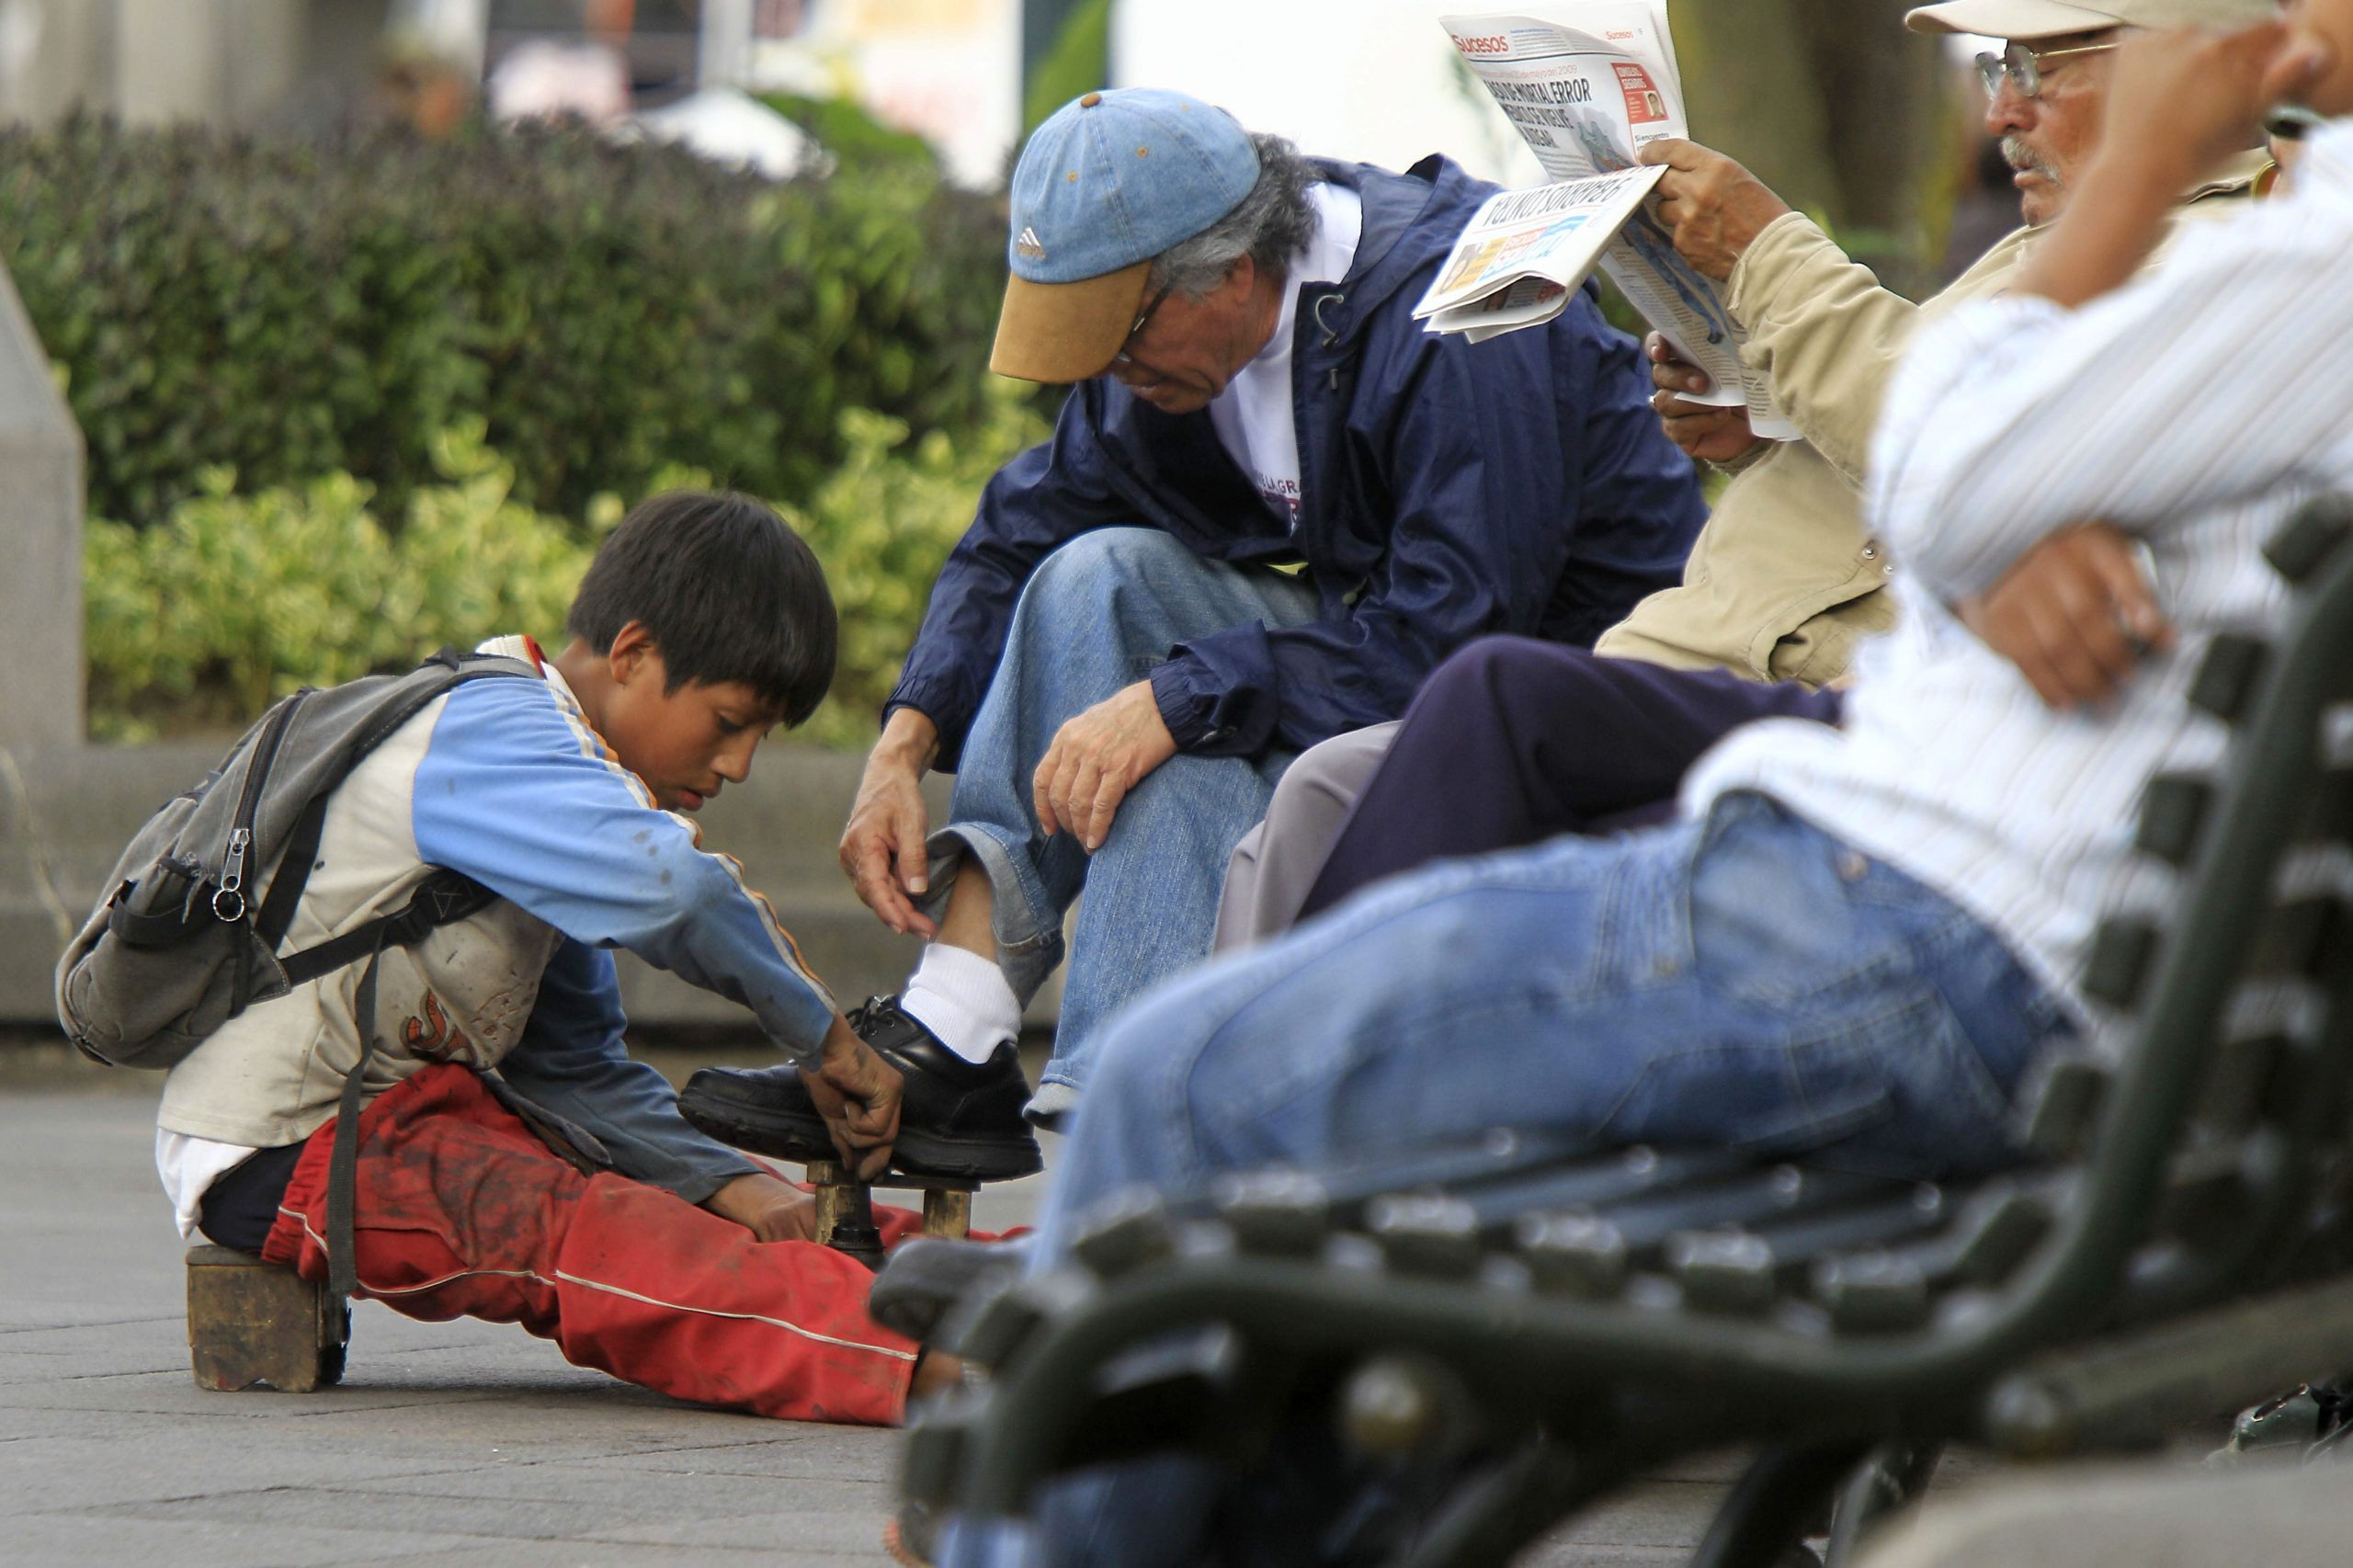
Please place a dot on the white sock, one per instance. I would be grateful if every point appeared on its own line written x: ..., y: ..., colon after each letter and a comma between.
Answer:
x: 963, y: 999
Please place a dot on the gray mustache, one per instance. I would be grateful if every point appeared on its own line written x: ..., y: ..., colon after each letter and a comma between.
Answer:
x: 2016, y: 153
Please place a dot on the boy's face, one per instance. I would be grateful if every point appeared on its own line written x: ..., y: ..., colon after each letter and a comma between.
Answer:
x: 685, y: 743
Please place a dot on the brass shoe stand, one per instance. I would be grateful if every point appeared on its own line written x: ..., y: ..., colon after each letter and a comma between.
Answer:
x: 845, y: 1208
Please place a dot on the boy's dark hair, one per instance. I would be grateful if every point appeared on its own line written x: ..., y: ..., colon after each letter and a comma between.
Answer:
x: 727, y: 589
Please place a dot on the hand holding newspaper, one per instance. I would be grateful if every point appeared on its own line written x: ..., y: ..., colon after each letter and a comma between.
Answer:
x: 1586, y: 93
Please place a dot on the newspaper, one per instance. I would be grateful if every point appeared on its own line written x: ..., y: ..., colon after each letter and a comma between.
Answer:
x: 1586, y: 84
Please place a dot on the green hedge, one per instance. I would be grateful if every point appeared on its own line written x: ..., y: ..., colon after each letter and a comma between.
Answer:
x: 601, y: 312
x: 241, y: 595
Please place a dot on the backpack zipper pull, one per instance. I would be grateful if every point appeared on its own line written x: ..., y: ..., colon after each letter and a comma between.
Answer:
x: 229, y: 899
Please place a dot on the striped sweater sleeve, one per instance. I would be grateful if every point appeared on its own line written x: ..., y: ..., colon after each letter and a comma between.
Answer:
x: 2209, y: 380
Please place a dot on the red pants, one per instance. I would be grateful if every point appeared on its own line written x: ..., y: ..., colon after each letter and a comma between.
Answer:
x: 462, y: 1212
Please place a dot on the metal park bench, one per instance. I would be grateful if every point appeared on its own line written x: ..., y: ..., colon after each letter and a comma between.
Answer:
x: 1505, y: 1343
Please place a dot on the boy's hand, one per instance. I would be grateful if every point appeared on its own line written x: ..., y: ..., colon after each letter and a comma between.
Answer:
x: 883, y: 851
x: 857, y: 1094
x: 1715, y: 207
x: 1096, y: 759
x: 2074, y: 614
x: 770, y: 1207
x: 1704, y: 432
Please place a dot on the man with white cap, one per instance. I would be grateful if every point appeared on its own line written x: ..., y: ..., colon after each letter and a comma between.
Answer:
x: 1272, y: 504
x: 1785, y: 578
x: 1830, y: 336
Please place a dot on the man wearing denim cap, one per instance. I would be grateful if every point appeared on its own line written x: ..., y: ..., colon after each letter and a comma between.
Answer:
x: 1271, y: 504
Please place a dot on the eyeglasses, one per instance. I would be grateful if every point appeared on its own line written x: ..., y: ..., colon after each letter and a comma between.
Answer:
x: 2022, y: 65
x: 1121, y: 358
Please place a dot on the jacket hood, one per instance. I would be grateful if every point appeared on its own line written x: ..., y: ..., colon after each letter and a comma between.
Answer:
x: 1411, y: 221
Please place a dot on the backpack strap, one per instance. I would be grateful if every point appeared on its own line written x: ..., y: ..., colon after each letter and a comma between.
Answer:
x: 343, y: 1159
x: 294, y: 867
x: 446, y: 893
x: 442, y: 899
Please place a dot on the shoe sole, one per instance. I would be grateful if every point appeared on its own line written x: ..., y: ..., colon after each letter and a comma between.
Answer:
x: 779, y: 1136
x: 802, y: 1139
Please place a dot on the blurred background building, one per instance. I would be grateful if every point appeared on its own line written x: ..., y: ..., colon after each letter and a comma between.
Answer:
x: 1372, y: 79
x: 238, y: 62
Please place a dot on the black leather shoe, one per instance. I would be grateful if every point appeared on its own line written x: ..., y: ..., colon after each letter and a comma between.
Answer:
x: 956, y: 1118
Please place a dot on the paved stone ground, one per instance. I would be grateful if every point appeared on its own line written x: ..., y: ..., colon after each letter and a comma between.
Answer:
x: 457, y: 1443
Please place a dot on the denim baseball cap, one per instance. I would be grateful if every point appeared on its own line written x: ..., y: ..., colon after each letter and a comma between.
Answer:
x: 1110, y: 182
x: 2030, y: 19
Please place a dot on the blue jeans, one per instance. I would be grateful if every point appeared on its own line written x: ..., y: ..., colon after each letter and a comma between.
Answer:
x: 1746, y: 979
x: 1093, y: 618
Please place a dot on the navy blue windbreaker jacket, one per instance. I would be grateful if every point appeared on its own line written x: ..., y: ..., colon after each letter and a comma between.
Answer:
x: 1448, y: 490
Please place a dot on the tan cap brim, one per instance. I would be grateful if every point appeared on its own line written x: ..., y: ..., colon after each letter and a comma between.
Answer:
x: 1066, y: 332
x: 2008, y: 18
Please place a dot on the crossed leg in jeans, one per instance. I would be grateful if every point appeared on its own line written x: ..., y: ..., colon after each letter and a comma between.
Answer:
x: 1744, y: 979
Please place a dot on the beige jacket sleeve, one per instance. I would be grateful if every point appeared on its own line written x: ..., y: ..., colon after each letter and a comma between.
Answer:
x: 1784, y: 579
x: 1827, y: 332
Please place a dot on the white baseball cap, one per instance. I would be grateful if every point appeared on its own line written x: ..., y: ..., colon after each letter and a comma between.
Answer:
x: 2032, y: 19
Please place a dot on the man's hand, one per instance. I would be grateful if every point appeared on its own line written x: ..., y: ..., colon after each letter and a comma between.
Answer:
x: 770, y: 1207
x: 1096, y: 759
x: 2074, y: 614
x: 1705, y: 432
x: 1715, y: 207
x: 882, y: 850
x: 857, y: 1094
x: 2179, y: 102
x: 2188, y: 99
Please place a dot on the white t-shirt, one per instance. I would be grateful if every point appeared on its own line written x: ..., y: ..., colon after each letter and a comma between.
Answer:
x: 1253, y: 414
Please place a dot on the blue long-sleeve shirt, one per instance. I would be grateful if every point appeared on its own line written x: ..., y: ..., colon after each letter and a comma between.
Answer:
x: 516, y: 791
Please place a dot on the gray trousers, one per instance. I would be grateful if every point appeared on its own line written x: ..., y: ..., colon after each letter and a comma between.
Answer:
x: 1270, y: 872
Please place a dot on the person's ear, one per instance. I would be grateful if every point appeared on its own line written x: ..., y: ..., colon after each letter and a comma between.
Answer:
x: 632, y: 647
x: 1240, y: 278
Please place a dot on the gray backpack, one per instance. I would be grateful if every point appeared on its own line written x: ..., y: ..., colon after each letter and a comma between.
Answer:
x: 184, y: 938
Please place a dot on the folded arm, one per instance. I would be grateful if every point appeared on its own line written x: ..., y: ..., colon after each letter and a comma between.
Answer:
x: 2149, y: 402
x: 2193, y: 388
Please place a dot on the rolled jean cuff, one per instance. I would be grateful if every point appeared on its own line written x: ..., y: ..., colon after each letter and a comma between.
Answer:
x: 1027, y: 931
